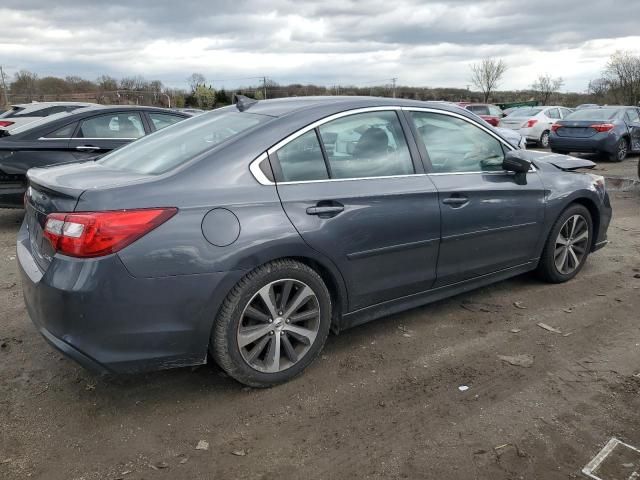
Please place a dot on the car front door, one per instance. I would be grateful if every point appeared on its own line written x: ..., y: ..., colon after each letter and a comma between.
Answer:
x: 492, y: 220
x: 632, y: 119
x: 353, y: 187
x: 100, y: 134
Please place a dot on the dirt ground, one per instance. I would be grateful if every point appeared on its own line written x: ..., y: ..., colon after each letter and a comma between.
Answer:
x: 382, y: 402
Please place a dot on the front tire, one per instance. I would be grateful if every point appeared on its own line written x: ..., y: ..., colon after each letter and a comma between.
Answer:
x: 567, y: 246
x: 273, y: 324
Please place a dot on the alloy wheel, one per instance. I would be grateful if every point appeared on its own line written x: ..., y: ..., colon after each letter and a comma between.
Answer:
x: 571, y: 244
x: 544, y: 140
x: 279, y: 325
x: 622, y: 149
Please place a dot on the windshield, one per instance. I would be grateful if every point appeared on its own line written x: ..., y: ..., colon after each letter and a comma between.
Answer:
x: 179, y: 143
x: 593, y: 114
x: 525, y: 112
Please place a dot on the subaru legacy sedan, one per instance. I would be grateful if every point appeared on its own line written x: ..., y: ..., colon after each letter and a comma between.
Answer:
x: 246, y: 234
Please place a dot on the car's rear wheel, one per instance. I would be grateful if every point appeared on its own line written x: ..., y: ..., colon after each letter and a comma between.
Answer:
x: 544, y: 139
x: 621, y: 151
x: 567, y: 246
x: 272, y: 324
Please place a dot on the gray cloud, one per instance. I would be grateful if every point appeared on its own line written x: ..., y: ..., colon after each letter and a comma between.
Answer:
x: 421, y: 42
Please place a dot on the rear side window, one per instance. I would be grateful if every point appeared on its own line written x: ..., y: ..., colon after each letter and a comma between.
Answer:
x: 167, y: 149
x: 163, y: 120
x: 64, y: 132
x: 632, y: 116
x: 455, y: 145
x: 301, y: 159
x: 553, y: 113
x: 113, y: 125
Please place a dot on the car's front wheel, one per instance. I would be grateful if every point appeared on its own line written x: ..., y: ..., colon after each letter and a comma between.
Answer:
x: 272, y: 324
x: 567, y: 246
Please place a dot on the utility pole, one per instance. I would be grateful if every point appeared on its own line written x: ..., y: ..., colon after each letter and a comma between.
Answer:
x: 4, y: 88
x: 264, y: 88
x: 393, y: 83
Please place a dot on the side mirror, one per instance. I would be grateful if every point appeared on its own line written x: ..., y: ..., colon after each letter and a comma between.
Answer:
x: 513, y: 163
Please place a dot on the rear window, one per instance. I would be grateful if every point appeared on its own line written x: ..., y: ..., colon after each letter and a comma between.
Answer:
x: 525, y: 112
x: 179, y: 143
x: 12, y: 113
x: 593, y: 114
x: 478, y: 109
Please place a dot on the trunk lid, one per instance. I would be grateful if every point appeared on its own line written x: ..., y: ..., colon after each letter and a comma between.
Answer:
x: 58, y: 189
x: 577, y: 128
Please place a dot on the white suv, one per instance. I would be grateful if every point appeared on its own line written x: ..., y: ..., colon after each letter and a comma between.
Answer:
x: 25, y: 113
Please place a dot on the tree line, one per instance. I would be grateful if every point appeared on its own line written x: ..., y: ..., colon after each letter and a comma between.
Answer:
x: 619, y: 83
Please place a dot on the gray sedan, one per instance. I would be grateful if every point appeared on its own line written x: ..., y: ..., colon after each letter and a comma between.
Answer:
x: 246, y: 234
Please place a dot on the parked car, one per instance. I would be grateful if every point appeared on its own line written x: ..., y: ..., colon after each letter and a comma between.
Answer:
x: 250, y: 231
x: 490, y: 113
x: 612, y: 131
x: 587, y: 105
x: 25, y: 113
x: 84, y: 134
x: 534, y: 123
x: 513, y: 137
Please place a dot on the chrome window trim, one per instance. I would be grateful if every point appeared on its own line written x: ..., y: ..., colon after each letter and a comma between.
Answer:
x: 93, y: 138
x: 254, y: 166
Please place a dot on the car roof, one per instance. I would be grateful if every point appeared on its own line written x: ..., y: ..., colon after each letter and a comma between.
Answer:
x: 281, y: 107
x: 49, y: 104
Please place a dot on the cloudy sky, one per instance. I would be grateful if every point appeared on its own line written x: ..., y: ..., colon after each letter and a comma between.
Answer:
x: 421, y: 42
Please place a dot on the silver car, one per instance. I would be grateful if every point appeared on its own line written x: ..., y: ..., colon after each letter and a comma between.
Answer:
x: 25, y: 113
x: 534, y: 123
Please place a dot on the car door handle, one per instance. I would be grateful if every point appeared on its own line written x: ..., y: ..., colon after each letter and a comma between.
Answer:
x: 87, y: 148
x: 456, y: 201
x: 325, y: 210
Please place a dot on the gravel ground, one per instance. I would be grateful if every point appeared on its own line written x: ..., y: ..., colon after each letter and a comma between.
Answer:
x: 382, y: 402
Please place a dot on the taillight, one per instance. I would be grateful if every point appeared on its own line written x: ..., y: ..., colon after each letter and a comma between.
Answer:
x: 555, y: 127
x: 6, y: 123
x: 94, y: 234
x: 529, y: 123
x: 602, y: 127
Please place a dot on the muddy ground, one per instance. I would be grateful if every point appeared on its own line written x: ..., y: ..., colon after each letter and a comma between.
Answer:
x: 382, y: 402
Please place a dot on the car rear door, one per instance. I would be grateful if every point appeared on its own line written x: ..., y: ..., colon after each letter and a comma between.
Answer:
x: 632, y: 119
x: 99, y: 134
x: 492, y: 220
x: 353, y: 187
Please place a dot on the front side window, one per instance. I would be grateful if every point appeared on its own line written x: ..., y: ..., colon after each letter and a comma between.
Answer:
x: 366, y: 145
x: 455, y: 145
x: 112, y: 125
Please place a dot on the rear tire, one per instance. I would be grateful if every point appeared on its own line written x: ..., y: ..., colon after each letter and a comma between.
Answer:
x: 260, y: 337
x: 622, y: 149
x: 567, y: 247
x: 544, y: 139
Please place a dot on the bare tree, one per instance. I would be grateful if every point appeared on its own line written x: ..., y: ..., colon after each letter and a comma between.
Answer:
x: 623, y: 75
x: 599, y: 88
x: 25, y: 83
x: 487, y: 74
x: 545, y: 86
x: 194, y: 80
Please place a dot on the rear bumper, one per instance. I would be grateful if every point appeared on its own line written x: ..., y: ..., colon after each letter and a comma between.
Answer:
x: 95, y: 312
x: 600, y: 142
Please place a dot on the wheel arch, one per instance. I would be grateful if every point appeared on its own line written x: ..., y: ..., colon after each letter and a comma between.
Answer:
x: 590, y: 205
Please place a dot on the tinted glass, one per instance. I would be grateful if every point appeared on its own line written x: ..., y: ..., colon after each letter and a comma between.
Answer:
x: 478, y: 109
x: 366, y: 145
x: 164, y: 150
x: 632, y: 115
x: 455, y: 145
x: 525, y: 112
x: 162, y: 120
x: 301, y: 159
x: 64, y: 132
x: 593, y: 114
x: 553, y: 113
x: 112, y: 125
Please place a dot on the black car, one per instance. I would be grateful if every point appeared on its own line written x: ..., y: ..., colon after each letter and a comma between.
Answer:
x: 85, y: 134
x: 612, y: 131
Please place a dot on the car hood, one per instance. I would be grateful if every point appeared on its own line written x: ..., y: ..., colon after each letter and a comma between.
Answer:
x: 563, y: 162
